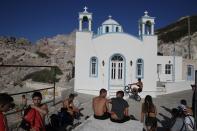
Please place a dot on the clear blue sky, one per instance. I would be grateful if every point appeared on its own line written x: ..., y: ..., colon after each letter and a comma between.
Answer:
x: 35, y: 19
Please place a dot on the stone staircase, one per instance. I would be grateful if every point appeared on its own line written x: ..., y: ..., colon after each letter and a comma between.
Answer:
x: 112, y: 91
x: 172, y: 87
x: 160, y: 91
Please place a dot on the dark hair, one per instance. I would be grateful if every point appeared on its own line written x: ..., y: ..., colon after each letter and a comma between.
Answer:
x: 184, y: 102
x: 6, y: 99
x: 148, y: 103
x: 37, y: 94
x: 72, y: 96
x: 103, y: 91
x: 175, y: 112
x: 139, y: 79
x: 121, y: 93
x: 180, y: 111
x: 23, y: 96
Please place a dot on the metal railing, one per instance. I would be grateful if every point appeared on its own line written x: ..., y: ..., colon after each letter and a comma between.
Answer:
x: 54, y: 83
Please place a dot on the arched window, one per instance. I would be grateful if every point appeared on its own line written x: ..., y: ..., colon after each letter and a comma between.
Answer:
x: 117, y: 29
x: 85, y: 23
x: 93, y: 67
x: 140, y: 68
x: 107, y: 29
x: 117, y: 58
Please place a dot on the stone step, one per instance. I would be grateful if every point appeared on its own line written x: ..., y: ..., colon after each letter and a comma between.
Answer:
x: 161, y: 89
x: 112, y: 94
x: 113, y: 90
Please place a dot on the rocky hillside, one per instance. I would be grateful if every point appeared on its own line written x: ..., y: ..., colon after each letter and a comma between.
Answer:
x: 57, y: 51
x: 176, y: 34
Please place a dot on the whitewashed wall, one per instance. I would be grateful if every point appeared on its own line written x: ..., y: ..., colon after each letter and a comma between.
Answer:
x: 163, y: 60
x: 103, y: 47
x: 185, y: 63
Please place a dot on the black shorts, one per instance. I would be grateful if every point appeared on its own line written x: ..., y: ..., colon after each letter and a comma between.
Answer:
x: 125, y: 119
x: 106, y: 115
x: 151, y: 121
x: 139, y: 89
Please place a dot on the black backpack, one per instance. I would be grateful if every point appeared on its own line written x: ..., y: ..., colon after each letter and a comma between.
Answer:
x: 55, y: 121
x: 54, y: 124
x: 60, y: 121
x: 65, y: 118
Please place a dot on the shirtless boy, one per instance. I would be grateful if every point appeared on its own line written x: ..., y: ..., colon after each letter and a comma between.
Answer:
x: 100, y: 106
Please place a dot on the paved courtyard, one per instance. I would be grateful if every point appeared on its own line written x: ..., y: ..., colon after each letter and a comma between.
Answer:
x: 163, y: 103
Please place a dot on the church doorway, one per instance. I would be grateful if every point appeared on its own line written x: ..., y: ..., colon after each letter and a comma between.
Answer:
x: 117, y: 71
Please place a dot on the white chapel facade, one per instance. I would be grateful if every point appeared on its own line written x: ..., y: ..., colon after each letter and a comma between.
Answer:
x: 111, y: 58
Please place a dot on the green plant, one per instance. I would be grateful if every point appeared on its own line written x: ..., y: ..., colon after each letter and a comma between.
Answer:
x: 40, y: 54
x: 22, y: 41
x: 58, y: 71
x: 45, y: 75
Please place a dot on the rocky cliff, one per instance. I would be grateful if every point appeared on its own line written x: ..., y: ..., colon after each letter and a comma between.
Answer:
x: 176, y: 35
x: 57, y: 51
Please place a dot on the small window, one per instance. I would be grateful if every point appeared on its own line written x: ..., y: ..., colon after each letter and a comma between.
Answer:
x: 93, y: 66
x: 168, y: 69
x: 140, y: 68
x: 107, y: 29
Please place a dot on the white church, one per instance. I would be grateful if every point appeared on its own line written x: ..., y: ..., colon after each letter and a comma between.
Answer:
x: 111, y: 58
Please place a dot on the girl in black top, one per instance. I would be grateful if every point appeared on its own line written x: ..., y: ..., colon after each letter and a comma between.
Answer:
x: 149, y: 112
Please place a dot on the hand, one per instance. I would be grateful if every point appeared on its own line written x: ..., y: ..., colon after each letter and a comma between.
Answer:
x: 32, y: 129
x: 32, y: 106
x: 109, y: 112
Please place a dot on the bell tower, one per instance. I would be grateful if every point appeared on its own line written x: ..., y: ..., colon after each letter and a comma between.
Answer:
x: 146, y: 25
x: 85, y: 20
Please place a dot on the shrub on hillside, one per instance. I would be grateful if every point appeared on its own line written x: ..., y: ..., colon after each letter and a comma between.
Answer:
x: 22, y: 41
x: 40, y: 54
x: 45, y: 75
x: 58, y: 71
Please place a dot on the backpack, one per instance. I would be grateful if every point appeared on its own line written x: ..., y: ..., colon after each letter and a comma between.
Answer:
x: 190, y: 124
x: 54, y: 120
x: 25, y: 125
x: 65, y: 118
x: 54, y: 124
